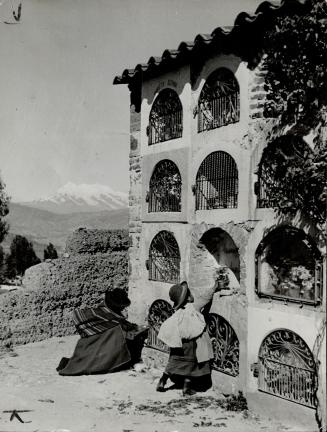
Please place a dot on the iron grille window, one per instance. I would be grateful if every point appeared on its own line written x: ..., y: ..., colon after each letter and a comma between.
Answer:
x: 216, y: 182
x: 165, y: 188
x: 265, y: 184
x: 225, y: 344
x: 166, y: 117
x: 287, y: 368
x: 164, y: 258
x: 159, y: 311
x: 272, y: 161
x: 219, y: 102
x: 289, y: 267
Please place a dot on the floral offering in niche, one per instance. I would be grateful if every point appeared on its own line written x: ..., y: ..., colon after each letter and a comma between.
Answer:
x: 287, y: 266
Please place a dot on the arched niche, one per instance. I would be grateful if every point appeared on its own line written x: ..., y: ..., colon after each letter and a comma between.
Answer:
x: 225, y: 344
x: 287, y: 368
x: 165, y: 188
x: 219, y: 101
x: 223, y: 248
x: 164, y: 258
x: 289, y: 266
x: 282, y: 152
x: 166, y: 117
x: 159, y: 311
x: 216, y: 184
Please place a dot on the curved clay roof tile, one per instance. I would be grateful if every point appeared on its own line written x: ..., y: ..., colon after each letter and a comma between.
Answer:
x: 221, y: 31
x: 202, y: 40
x: 154, y: 60
x: 244, y: 17
x: 186, y: 46
x: 203, y: 37
x: 128, y: 73
x: 170, y: 53
x: 267, y: 6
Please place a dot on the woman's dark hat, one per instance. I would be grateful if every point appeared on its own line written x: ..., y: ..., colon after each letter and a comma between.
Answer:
x: 178, y: 294
x: 117, y: 299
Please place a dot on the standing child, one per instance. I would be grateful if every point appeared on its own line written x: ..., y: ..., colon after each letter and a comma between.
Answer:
x: 190, y: 346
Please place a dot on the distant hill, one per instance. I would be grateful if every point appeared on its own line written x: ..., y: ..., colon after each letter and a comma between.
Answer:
x: 42, y: 227
x: 73, y: 198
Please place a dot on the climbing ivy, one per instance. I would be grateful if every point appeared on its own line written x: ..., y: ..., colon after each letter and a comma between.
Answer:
x: 296, y: 85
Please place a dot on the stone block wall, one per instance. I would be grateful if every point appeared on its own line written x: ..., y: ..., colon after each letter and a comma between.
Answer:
x: 257, y: 92
x: 51, y: 290
x: 135, y: 206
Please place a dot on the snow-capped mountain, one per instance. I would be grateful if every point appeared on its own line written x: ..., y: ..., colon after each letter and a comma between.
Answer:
x: 73, y: 198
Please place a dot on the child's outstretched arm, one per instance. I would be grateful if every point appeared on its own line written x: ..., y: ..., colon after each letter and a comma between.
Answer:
x: 207, y: 301
x: 207, y: 305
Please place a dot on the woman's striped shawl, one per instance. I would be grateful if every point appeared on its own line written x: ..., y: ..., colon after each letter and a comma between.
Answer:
x: 92, y: 321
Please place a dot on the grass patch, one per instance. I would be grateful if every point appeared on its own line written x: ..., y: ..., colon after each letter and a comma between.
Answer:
x: 185, y: 406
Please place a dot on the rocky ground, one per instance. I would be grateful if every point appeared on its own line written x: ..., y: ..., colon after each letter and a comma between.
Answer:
x: 121, y: 402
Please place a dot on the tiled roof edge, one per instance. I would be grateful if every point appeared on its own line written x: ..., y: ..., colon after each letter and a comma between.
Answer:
x: 170, y: 58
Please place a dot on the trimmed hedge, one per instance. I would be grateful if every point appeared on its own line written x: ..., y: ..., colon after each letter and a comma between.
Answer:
x: 91, y: 241
x: 54, y: 288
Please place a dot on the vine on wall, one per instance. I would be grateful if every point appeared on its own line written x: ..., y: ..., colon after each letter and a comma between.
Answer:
x: 296, y: 85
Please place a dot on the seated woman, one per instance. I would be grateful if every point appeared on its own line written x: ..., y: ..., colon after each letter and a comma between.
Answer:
x: 108, y: 341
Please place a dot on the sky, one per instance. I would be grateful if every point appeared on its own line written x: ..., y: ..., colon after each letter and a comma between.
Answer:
x: 61, y: 119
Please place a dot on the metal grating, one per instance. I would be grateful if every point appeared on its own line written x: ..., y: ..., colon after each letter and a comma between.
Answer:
x: 225, y: 344
x: 224, y: 341
x: 159, y: 311
x: 166, y: 117
x: 164, y: 258
x: 165, y: 188
x: 266, y: 184
x: 219, y: 102
x: 216, y: 182
x: 287, y: 368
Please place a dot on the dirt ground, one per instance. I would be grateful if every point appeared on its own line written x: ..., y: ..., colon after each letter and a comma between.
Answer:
x: 121, y: 402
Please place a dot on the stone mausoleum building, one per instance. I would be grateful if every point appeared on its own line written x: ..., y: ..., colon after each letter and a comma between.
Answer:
x: 199, y: 175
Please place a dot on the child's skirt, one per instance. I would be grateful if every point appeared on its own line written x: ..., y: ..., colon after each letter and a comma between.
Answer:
x: 183, y: 364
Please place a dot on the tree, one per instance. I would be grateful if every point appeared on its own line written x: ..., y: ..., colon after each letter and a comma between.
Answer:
x: 21, y: 257
x: 296, y: 85
x: 296, y: 82
x: 4, y: 210
x: 50, y: 252
x: 2, y: 267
